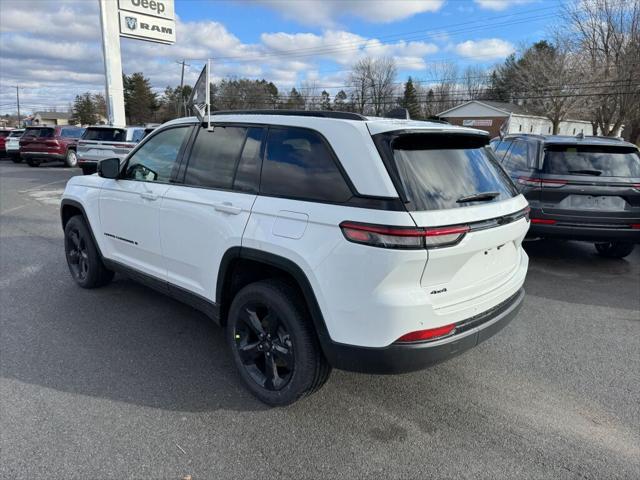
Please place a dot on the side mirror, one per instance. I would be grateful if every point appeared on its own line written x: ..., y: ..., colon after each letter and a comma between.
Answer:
x: 109, y: 168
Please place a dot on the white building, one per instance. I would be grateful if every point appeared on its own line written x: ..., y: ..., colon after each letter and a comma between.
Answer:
x: 490, y: 116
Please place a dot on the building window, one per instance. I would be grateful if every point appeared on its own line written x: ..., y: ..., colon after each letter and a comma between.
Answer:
x: 549, y: 129
x: 531, y: 128
x: 520, y: 128
x: 574, y: 131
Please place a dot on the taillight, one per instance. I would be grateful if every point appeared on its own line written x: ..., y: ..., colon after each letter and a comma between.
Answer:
x: 430, y: 334
x: 402, y: 237
x: 543, y: 221
x: 541, y: 182
x: 635, y: 226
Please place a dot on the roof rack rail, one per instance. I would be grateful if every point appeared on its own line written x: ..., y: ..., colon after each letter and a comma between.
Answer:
x: 297, y: 113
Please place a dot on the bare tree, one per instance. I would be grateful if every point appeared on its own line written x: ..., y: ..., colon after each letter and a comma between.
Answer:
x: 359, y: 83
x: 474, y: 81
x: 382, y: 75
x: 608, y: 33
x: 545, y: 81
x: 444, y: 87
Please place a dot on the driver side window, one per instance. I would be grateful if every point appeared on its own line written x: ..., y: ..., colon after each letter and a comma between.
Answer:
x: 155, y: 160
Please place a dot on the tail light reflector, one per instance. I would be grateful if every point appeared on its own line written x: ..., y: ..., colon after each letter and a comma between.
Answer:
x: 430, y: 334
x: 402, y: 237
x: 543, y: 221
x: 541, y: 182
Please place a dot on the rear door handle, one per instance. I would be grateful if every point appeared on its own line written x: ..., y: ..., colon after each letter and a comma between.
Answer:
x: 227, y: 207
x: 149, y: 196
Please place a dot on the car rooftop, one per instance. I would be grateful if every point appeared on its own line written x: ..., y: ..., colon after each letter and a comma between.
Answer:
x: 574, y: 140
x: 374, y: 124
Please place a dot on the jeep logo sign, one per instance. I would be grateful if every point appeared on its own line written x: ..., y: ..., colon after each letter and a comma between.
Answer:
x: 147, y: 27
x: 156, y: 8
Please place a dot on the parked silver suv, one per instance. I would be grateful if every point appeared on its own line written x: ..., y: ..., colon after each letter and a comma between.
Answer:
x: 106, y: 142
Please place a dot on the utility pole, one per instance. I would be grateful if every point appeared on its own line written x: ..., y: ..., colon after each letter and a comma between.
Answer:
x: 182, y: 102
x: 112, y: 62
x: 18, y: 101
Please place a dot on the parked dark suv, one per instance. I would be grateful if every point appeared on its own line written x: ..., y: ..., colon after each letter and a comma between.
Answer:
x: 42, y: 144
x: 580, y: 188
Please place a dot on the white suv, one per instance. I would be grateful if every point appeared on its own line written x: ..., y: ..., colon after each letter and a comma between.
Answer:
x: 319, y: 239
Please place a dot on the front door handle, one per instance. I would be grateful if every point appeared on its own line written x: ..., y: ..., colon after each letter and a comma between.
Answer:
x: 149, y: 196
x: 227, y: 207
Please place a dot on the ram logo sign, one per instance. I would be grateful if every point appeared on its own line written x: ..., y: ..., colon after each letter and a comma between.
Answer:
x: 146, y: 27
x: 151, y: 20
x: 131, y: 22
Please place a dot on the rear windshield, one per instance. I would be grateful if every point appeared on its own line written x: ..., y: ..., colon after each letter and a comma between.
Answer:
x: 4, y: 133
x: 105, y: 134
x: 71, y: 132
x: 39, y: 132
x: 449, y: 171
x: 592, y: 161
x: 16, y: 133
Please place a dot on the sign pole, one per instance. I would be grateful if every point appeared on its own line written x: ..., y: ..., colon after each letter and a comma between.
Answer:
x: 112, y: 61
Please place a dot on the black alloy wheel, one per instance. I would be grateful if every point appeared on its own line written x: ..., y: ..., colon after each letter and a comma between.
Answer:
x: 274, y: 343
x: 77, y: 255
x: 265, y: 347
x: 83, y: 257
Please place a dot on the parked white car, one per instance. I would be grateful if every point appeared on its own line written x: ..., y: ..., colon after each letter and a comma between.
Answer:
x: 12, y: 144
x: 105, y: 141
x: 318, y: 240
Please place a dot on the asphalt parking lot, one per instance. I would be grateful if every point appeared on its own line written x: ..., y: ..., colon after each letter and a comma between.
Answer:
x: 122, y: 382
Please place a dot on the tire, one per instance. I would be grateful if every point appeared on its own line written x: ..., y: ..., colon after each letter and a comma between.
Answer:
x: 269, y: 327
x: 83, y: 259
x: 32, y: 162
x: 614, y: 249
x: 16, y: 159
x: 71, y: 160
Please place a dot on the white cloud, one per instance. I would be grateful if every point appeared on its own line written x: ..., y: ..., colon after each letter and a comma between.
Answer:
x: 483, y: 50
x: 345, y: 48
x: 327, y: 13
x: 499, y: 5
x: 55, y: 53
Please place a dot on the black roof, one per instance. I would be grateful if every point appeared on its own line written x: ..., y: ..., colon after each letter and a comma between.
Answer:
x: 574, y: 140
x: 297, y: 113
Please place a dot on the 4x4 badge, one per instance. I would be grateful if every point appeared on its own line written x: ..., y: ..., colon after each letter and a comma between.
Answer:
x: 442, y: 290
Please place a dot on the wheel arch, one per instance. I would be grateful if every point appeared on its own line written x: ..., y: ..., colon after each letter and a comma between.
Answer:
x: 241, y: 266
x: 70, y: 208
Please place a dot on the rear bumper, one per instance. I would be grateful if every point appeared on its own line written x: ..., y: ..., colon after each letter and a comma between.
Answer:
x: 594, y: 229
x: 402, y: 358
x: 43, y: 155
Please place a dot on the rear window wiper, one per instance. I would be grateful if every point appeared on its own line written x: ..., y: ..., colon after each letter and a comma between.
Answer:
x: 478, y: 197
x: 586, y: 172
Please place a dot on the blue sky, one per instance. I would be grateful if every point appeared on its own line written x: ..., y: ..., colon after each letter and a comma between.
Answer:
x: 56, y: 54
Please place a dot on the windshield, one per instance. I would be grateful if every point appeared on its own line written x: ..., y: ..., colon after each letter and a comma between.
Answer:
x: 449, y: 171
x: 592, y: 160
x: 4, y: 133
x: 105, y: 134
x: 16, y: 133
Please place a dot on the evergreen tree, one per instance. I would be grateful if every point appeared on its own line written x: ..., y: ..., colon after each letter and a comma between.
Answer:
x: 340, y: 101
x: 140, y: 102
x: 325, y: 101
x: 84, y: 110
x: 410, y: 99
x: 295, y: 101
